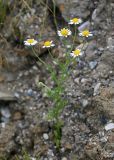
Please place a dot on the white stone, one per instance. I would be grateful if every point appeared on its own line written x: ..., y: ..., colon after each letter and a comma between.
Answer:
x: 84, y: 102
x: 64, y: 158
x: 17, y: 95
x: 109, y: 126
x: 96, y: 89
x: 83, y: 80
x: 5, y: 112
x: 45, y: 136
x: 77, y: 80
x: 83, y: 26
x: 32, y: 158
x: 3, y: 124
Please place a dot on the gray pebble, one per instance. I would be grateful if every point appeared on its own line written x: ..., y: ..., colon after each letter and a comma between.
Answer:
x: 5, y: 112
x: 30, y: 92
x: 92, y: 64
x: 84, y: 102
x: 96, y: 89
x: 45, y: 136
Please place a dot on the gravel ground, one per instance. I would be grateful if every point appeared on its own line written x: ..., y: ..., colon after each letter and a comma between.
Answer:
x: 88, y: 130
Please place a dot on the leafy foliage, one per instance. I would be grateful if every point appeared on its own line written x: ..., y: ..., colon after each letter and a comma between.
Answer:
x: 3, y: 11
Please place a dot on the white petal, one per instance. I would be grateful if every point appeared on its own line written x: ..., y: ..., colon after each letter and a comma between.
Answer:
x: 34, y: 43
x: 72, y: 54
x: 60, y: 35
x: 70, y: 22
x: 80, y: 34
x: 90, y: 34
x: 69, y: 33
x: 25, y: 41
x: 81, y: 53
x: 27, y: 44
x: 80, y: 20
x: 59, y: 32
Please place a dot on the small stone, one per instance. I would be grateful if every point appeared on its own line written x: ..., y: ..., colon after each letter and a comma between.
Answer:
x: 84, y: 102
x: 5, y: 120
x: 96, y: 89
x: 68, y: 146
x: 30, y: 92
x: 83, y: 80
x: 77, y: 80
x: 111, y: 138
x: 7, y: 96
x: 35, y: 68
x: 50, y: 152
x: 103, y: 139
x: 16, y: 95
x: 32, y: 158
x: 45, y: 136
x: 84, y: 26
x: 110, y: 43
x: 50, y: 158
x: 62, y: 149
x: 102, y: 69
x: 68, y: 46
x: 20, y: 75
x: 94, y: 14
x: 17, y: 116
x: 3, y: 124
x: 5, y: 112
x: 101, y: 134
x: 93, y: 64
x: 26, y: 73
x: 64, y: 158
x: 109, y: 126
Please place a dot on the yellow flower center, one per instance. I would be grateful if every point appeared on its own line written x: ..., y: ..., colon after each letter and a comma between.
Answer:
x: 75, y: 20
x: 85, y: 33
x: 30, y: 41
x: 47, y: 44
x: 77, y: 52
x: 64, y: 32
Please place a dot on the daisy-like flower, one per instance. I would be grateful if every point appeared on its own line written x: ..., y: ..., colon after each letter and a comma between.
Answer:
x: 64, y: 32
x: 75, y: 21
x: 86, y: 33
x: 30, y: 42
x: 48, y: 44
x: 76, y: 53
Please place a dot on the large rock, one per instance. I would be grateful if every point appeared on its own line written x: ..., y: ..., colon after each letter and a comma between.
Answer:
x: 7, y: 96
x: 74, y: 8
x: 108, y: 58
x: 105, y: 101
x: 7, y: 143
x: 31, y: 20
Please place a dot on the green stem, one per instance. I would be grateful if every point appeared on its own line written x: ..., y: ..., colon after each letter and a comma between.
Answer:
x: 42, y: 84
x: 54, y: 14
x: 38, y: 57
x: 49, y: 67
x: 50, y: 54
x: 73, y: 39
